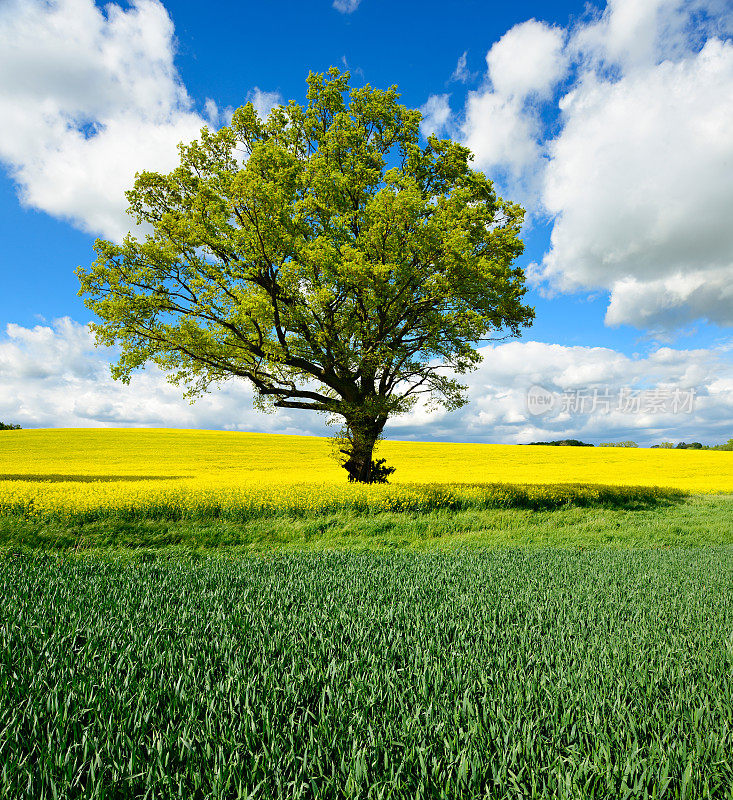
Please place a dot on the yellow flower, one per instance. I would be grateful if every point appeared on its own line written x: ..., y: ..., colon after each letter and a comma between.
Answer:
x: 92, y: 474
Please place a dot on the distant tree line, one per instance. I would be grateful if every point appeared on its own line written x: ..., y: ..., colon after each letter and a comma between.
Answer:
x: 565, y: 443
x: 682, y: 446
x: 694, y: 446
x: 664, y: 445
x: 9, y: 427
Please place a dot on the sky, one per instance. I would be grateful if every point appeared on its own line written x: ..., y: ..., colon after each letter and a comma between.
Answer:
x: 610, y: 123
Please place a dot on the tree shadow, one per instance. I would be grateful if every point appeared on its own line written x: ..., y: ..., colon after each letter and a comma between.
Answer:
x: 628, y: 498
x: 558, y: 496
x: 57, y: 478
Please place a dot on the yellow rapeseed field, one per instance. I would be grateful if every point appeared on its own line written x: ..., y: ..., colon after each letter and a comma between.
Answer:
x: 93, y: 473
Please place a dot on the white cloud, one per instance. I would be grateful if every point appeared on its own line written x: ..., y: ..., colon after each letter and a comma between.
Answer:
x: 52, y: 376
x: 625, y: 34
x: 264, y: 102
x: 346, y: 6
x: 501, y: 123
x: 528, y: 60
x: 639, y: 184
x: 212, y: 112
x: 672, y: 301
x: 435, y: 115
x: 502, y: 135
x: 461, y: 72
x: 88, y: 97
x: 642, y: 33
x: 637, y: 177
x: 498, y: 410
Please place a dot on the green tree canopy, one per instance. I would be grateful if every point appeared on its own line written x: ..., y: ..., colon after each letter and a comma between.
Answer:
x: 322, y: 254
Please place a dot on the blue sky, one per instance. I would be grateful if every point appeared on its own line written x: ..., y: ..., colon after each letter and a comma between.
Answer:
x: 609, y: 122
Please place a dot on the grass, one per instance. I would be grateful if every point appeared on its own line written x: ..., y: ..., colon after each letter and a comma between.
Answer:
x: 512, y: 673
x: 694, y: 521
x: 182, y: 616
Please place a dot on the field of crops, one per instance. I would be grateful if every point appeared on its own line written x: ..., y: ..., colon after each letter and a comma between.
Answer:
x: 133, y: 665
x: 82, y: 475
x: 507, y: 674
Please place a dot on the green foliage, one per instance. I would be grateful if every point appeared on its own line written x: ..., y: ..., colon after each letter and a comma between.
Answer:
x: 565, y: 443
x: 695, y: 446
x: 322, y: 254
x: 9, y: 427
x: 379, y: 472
x: 534, y: 674
x: 618, y: 444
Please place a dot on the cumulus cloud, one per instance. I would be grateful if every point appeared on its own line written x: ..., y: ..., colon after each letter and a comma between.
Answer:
x: 640, y: 33
x: 624, y: 388
x: 528, y: 60
x: 502, y: 124
x: 502, y: 135
x: 89, y: 96
x: 634, y: 166
x: 212, y: 112
x: 52, y: 376
x: 639, y: 184
x: 672, y: 301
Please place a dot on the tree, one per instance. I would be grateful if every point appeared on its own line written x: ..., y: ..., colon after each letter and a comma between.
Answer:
x: 564, y: 443
x: 9, y: 427
x: 322, y: 254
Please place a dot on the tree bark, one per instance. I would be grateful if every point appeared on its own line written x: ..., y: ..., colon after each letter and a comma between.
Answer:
x: 361, y: 437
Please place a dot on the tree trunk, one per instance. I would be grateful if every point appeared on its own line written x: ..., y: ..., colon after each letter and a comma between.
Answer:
x: 360, y: 438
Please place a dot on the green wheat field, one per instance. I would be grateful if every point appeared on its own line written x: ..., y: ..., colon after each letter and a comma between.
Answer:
x: 562, y: 641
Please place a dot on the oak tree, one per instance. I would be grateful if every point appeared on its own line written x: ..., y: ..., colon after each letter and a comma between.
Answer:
x: 325, y: 255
